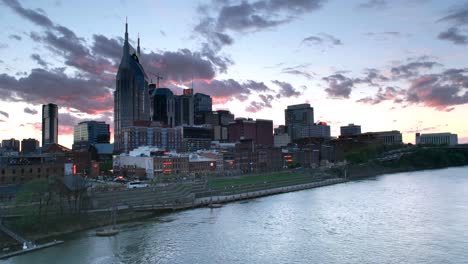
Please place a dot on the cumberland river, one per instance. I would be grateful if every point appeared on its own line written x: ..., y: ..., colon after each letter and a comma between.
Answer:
x: 418, y: 217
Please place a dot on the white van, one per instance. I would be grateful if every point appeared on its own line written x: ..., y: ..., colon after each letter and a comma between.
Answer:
x: 136, y: 184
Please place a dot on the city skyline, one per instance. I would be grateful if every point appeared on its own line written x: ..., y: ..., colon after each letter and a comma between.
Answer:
x: 412, y: 74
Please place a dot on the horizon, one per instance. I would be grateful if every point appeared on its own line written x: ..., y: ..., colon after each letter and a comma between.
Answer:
x: 414, y: 77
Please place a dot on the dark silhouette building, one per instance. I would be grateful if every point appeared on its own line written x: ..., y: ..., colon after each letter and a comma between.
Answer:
x: 260, y: 131
x: 131, y: 97
x: 163, y: 107
x: 29, y: 146
x: 11, y: 144
x: 49, y: 124
x: 350, y: 130
x: 202, y: 105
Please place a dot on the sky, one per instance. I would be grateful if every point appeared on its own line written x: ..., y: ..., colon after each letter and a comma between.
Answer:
x: 384, y: 65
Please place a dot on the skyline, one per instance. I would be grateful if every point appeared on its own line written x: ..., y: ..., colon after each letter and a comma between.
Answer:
x: 412, y: 76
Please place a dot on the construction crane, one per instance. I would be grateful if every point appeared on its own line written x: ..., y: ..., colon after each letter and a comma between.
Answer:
x: 158, y: 77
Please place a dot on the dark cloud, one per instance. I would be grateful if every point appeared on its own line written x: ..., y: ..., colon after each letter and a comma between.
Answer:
x: 15, y: 37
x: 286, y: 90
x: 37, y: 58
x: 107, y: 47
x: 226, y: 90
x: 373, y: 4
x: 412, y: 69
x: 28, y: 110
x: 339, y: 86
x: 453, y: 35
x: 32, y: 15
x: 442, y: 91
x: 45, y: 86
x: 222, y: 16
x: 458, y: 16
x: 322, y: 38
x: 5, y: 114
x: 389, y: 93
x: 258, y: 106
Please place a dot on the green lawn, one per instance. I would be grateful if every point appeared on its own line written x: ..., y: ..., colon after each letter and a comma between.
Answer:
x: 253, y: 179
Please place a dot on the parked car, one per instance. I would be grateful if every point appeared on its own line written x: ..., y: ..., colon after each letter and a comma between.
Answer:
x: 137, y: 184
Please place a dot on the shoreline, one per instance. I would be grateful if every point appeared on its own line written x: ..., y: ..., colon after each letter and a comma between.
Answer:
x: 130, y: 215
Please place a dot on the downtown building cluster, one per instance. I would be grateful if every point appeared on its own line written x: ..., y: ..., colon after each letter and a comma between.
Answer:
x: 157, y: 132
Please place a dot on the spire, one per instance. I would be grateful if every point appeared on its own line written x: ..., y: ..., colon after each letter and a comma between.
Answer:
x: 138, y: 47
x: 126, y: 45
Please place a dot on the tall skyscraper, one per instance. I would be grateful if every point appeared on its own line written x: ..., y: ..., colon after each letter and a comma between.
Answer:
x: 184, y: 108
x: 202, y: 104
x: 49, y: 124
x: 90, y: 132
x: 131, y: 97
x: 163, y: 106
x: 297, y: 117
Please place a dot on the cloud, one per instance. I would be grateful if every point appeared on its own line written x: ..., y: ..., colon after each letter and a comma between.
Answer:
x: 453, y: 35
x: 412, y: 69
x: 300, y: 70
x: 45, y: 86
x: 458, y: 16
x: 34, y: 16
x: 220, y: 18
x: 322, y: 38
x: 15, y: 37
x: 28, y: 110
x: 227, y: 90
x: 441, y: 91
x: 5, y: 114
x: 37, y: 58
x: 373, y: 4
x: 389, y: 93
x: 286, y: 90
x: 339, y: 86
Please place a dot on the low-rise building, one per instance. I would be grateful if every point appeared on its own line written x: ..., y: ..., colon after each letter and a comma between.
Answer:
x: 437, y: 139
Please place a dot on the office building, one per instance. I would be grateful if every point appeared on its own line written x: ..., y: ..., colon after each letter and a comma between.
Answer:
x: 437, y: 139
x: 260, y: 131
x: 386, y: 137
x: 184, y: 108
x: 131, y: 97
x: 49, y: 124
x: 350, y: 130
x: 297, y: 117
x: 11, y: 145
x: 89, y: 133
x: 202, y: 104
x: 319, y: 130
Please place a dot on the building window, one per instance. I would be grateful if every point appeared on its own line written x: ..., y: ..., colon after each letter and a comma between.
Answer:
x: 13, y: 171
x: 30, y: 170
x: 22, y: 171
x: 3, y: 171
x: 3, y: 178
x: 38, y: 170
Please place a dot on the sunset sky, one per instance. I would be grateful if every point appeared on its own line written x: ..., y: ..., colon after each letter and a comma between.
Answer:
x: 382, y: 64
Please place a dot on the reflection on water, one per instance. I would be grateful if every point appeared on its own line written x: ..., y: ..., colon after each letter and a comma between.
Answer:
x: 419, y: 217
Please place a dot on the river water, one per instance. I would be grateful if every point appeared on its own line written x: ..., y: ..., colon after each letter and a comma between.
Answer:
x: 417, y: 217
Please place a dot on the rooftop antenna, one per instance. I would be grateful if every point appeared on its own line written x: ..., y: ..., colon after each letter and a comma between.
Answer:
x: 138, y: 47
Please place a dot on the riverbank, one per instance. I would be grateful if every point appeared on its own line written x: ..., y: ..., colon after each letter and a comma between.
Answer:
x: 225, y: 191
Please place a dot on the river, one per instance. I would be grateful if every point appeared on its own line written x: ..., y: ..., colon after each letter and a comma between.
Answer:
x: 417, y: 217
